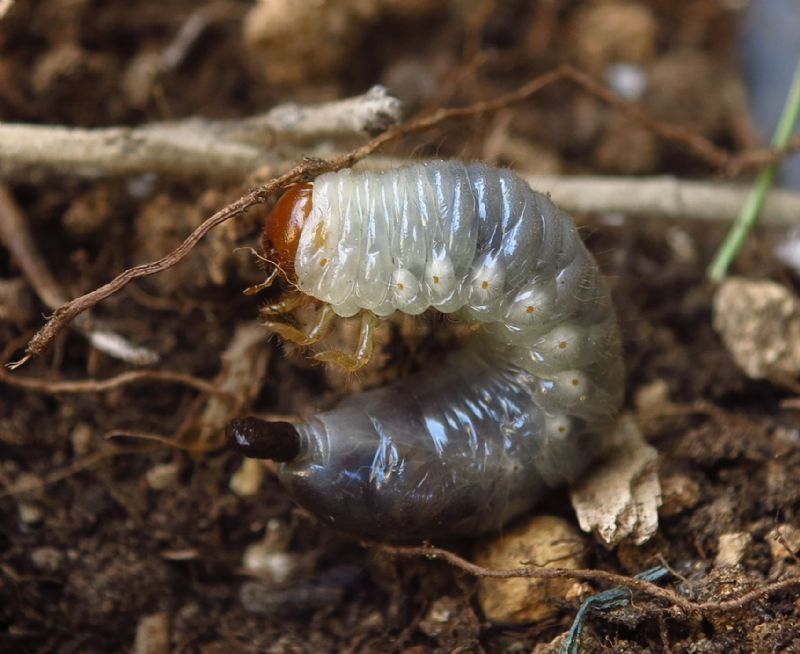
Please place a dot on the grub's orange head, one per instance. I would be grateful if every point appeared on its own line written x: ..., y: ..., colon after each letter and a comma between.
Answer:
x: 284, y: 224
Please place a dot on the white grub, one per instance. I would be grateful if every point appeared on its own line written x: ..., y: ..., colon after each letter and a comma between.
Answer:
x: 448, y: 232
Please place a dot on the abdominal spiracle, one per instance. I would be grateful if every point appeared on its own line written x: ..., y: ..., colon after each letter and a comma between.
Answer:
x: 466, y: 447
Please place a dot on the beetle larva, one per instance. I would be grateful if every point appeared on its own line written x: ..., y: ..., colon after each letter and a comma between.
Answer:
x: 464, y: 448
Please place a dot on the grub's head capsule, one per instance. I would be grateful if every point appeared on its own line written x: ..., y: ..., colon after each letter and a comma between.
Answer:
x: 284, y: 224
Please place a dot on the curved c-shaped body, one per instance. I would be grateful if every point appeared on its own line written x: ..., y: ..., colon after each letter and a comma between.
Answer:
x: 463, y: 448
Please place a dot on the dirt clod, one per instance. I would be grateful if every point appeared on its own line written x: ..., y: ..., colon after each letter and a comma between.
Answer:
x: 545, y: 541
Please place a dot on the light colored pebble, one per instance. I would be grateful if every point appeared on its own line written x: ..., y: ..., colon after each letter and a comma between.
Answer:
x: 440, y: 616
x: 46, y: 558
x: 652, y: 396
x: 152, y: 635
x: 759, y: 323
x: 163, y: 475
x: 618, y: 499
x: 81, y: 439
x: 545, y: 541
x: 30, y: 513
x: 733, y: 548
x: 627, y: 80
x: 295, y: 40
x: 276, y: 567
x: 247, y: 480
x: 609, y: 32
x: 268, y: 558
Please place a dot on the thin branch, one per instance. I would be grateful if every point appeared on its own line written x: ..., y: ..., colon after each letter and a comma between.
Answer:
x: 225, y: 149
x: 69, y: 311
x: 689, y: 607
x: 662, y: 197
x: 57, y: 387
x: 596, y: 576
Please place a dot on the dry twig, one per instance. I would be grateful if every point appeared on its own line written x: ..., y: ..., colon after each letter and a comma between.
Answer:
x: 312, y: 167
x: 688, y: 607
x: 57, y: 387
x: 224, y: 149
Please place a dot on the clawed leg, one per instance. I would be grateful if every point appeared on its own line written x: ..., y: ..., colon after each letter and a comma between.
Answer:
x: 287, y: 303
x: 360, y: 358
x: 292, y: 334
x: 257, y: 288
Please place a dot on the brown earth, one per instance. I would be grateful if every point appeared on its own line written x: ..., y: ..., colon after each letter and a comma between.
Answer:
x: 117, y: 538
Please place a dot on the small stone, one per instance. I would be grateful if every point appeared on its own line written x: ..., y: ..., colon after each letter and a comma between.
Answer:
x: 439, y: 616
x: 618, y: 500
x: 627, y: 80
x: 276, y: 567
x: 616, y: 31
x: 759, y: 323
x: 247, y: 480
x: 733, y: 548
x: 162, y: 475
x: 679, y: 494
x: 692, y: 89
x: 46, y: 559
x: 268, y: 558
x: 652, y: 396
x: 81, y: 439
x: 784, y: 541
x: 152, y: 635
x: 545, y: 541
x: 30, y: 513
x: 289, y: 36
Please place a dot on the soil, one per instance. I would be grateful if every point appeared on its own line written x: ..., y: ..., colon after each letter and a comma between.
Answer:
x: 130, y: 535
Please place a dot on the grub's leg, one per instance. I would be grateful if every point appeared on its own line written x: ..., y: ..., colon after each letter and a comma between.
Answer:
x: 288, y: 302
x: 257, y: 288
x: 292, y: 334
x: 360, y: 358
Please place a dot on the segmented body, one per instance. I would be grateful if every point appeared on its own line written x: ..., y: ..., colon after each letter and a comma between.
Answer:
x: 463, y: 448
